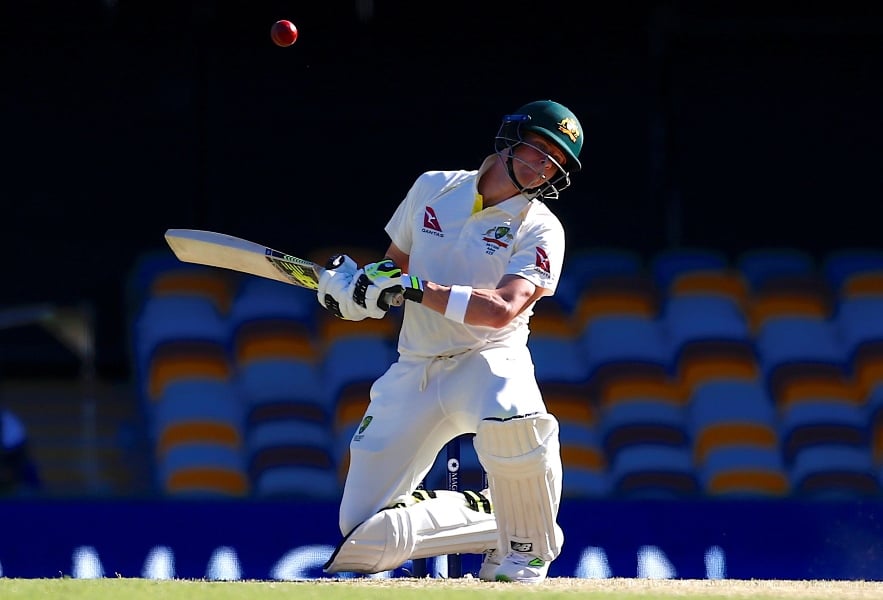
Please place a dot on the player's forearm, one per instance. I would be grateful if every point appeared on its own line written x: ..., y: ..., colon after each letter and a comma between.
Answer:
x: 483, y: 307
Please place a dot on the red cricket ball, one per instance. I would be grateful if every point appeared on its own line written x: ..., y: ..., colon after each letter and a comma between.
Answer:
x: 283, y: 33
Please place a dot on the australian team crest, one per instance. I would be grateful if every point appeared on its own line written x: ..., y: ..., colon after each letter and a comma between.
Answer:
x: 497, y: 237
x: 362, y: 427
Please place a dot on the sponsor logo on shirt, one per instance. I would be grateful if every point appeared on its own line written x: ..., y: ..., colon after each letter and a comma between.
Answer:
x: 430, y: 222
x: 542, y: 262
x: 497, y: 237
x: 362, y: 427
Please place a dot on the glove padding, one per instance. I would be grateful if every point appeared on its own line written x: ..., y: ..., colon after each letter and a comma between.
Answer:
x: 370, y: 296
x: 335, y: 291
x: 379, y: 282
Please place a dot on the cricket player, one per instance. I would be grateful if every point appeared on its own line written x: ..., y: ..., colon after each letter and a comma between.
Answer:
x: 480, y: 248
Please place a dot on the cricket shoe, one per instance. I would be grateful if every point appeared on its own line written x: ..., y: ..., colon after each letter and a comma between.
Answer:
x: 521, y: 567
x: 488, y: 570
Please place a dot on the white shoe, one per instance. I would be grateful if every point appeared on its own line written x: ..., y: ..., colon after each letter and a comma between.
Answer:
x: 520, y: 567
x: 488, y: 570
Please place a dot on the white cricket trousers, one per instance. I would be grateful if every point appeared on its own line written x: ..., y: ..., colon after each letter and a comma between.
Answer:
x: 419, y: 405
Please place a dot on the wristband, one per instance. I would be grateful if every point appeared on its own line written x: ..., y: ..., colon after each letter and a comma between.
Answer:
x: 458, y: 300
x: 413, y: 288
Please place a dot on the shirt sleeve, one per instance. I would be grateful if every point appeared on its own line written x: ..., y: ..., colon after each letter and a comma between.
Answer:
x: 399, y: 228
x: 539, y: 253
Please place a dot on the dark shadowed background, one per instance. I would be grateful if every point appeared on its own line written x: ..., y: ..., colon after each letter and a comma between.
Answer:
x: 726, y: 125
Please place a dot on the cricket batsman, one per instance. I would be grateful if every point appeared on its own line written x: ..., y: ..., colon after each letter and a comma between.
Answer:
x: 472, y: 251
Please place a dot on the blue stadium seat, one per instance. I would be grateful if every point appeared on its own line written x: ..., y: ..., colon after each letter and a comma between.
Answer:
x: 178, y: 337
x: 583, y: 461
x: 591, y: 267
x: 666, y: 265
x: 292, y: 459
x: 798, y: 354
x: 557, y: 359
x: 697, y: 326
x: 642, y: 421
x: 839, y: 266
x: 624, y: 342
x: 209, y: 407
x: 874, y: 408
x: 204, y: 470
x: 723, y: 414
x: 260, y: 299
x: 834, y: 472
x: 773, y: 267
x: 823, y: 421
x: 652, y: 471
x: 860, y: 323
x: 736, y: 471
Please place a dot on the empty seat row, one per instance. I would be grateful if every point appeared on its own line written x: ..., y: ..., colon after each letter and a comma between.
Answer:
x: 257, y: 368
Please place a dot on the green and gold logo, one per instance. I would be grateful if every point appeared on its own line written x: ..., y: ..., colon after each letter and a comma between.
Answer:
x: 569, y: 128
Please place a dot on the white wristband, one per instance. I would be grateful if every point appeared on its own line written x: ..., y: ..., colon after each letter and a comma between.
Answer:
x: 458, y: 300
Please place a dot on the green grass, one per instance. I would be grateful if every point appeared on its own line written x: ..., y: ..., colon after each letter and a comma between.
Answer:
x: 407, y: 589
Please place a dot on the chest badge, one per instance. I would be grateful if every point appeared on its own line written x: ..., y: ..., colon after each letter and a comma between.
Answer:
x: 497, y: 237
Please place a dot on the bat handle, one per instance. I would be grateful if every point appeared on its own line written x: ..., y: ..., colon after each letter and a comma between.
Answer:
x: 391, y: 297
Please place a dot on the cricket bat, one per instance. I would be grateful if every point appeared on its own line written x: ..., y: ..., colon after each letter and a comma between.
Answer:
x: 224, y: 251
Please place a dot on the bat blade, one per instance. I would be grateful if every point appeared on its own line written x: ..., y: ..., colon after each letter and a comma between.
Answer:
x: 224, y: 251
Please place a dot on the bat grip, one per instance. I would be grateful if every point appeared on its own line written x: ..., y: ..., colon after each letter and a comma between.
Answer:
x: 391, y: 297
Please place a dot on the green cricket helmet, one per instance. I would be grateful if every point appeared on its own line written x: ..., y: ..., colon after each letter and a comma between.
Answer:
x: 553, y: 121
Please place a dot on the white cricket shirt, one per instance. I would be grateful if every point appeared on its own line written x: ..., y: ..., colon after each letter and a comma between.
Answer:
x: 451, y: 240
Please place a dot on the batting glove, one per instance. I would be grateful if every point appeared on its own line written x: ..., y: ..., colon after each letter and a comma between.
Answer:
x: 335, y: 291
x: 383, y: 283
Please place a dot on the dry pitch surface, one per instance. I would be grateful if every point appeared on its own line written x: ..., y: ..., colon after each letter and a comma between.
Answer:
x: 658, y: 588
x: 467, y: 588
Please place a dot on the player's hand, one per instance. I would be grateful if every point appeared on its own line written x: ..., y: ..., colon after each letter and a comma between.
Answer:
x: 374, y: 284
x: 388, y: 285
x: 335, y: 291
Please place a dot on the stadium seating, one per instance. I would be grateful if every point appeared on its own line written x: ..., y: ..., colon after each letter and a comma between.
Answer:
x: 642, y: 420
x: 725, y: 283
x: 626, y: 295
x: 204, y: 470
x: 292, y: 458
x: 799, y: 355
x: 834, y: 472
x: 775, y: 268
x: 625, y: 350
x: 859, y: 320
x: 652, y: 471
x: 708, y: 337
x: 731, y: 413
x: 177, y: 337
x: 584, y: 462
x: 596, y: 269
x: 668, y: 264
x: 676, y: 377
x: 823, y: 421
x: 194, y: 410
x: 841, y: 267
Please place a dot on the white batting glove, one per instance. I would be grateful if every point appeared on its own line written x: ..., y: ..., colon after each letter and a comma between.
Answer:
x: 335, y: 291
x: 367, y: 294
x: 388, y: 285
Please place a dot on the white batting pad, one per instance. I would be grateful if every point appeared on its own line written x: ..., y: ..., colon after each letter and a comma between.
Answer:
x: 522, y: 458
x: 445, y: 524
